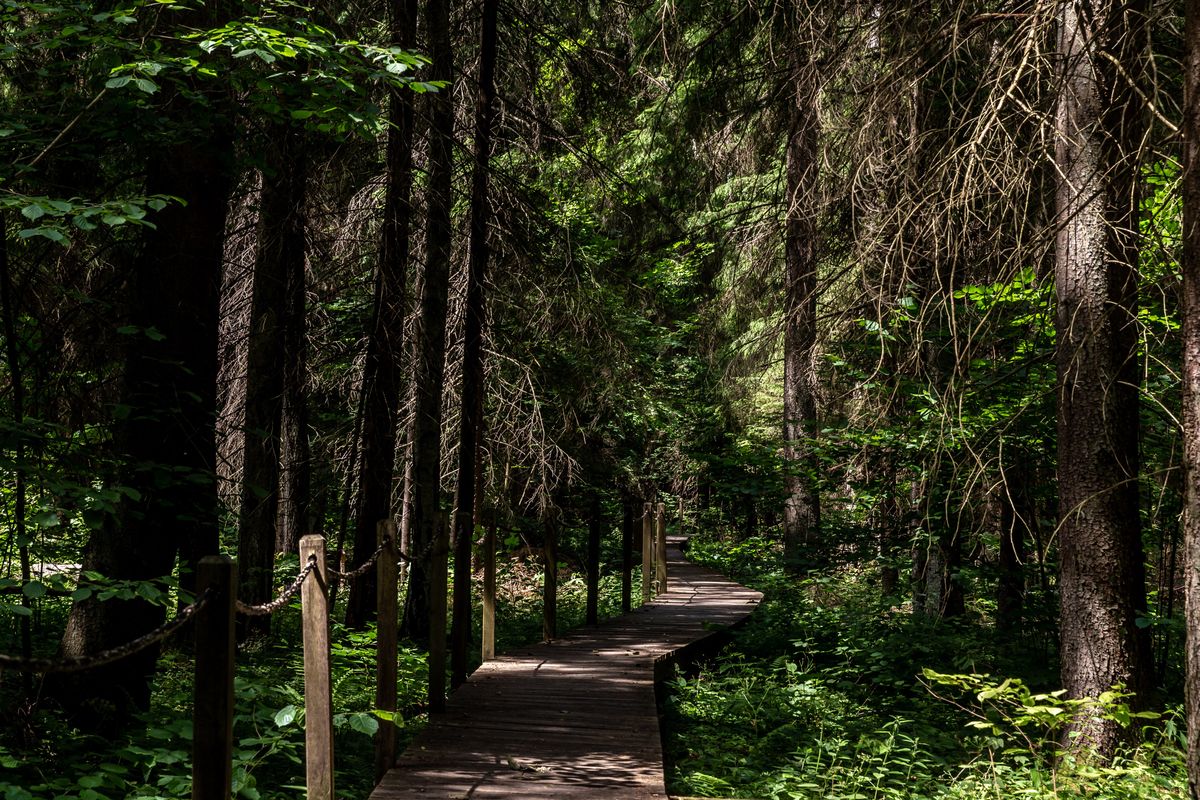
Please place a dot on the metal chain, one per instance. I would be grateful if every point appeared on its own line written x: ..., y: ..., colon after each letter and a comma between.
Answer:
x: 362, y: 568
x: 79, y: 663
x: 279, y: 602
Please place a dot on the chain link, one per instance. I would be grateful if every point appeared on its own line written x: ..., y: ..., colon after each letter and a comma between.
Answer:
x: 279, y: 602
x: 362, y: 568
x: 79, y: 663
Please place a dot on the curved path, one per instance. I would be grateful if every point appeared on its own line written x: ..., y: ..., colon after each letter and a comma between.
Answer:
x: 572, y: 718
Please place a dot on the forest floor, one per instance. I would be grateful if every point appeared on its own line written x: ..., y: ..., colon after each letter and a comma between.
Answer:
x: 831, y: 691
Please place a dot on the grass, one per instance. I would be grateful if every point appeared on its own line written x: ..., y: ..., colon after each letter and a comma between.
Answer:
x: 831, y: 691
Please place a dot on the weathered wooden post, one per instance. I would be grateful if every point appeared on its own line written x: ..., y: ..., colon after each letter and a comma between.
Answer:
x: 489, y: 590
x: 647, y: 551
x: 437, y: 613
x: 318, y: 694
x: 385, y: 646
x: 212, y: 702
x: 595, y: 530
x: 660, y: 556
x: 550, y: 578
x: 626, y: 555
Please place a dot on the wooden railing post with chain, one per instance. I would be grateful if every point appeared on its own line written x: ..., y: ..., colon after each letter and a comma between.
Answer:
x: 318, y: 693
x: 385, y: 646
x: 212, y: 709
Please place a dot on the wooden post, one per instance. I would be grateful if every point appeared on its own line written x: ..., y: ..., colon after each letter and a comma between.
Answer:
x: 550, y: 579
x: 318, y: 695
x: 626, y: 555
x: 212, y: 705
x: 595, y: 528
x: 660, y: 556
x: 437, y: 614
x: 386, y: 587
x: 647, y: 551
x: 489, y: 590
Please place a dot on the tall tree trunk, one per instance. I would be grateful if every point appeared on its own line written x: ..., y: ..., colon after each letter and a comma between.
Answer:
x: 16, y: 377
x: 430, y: 351
x: 802, y: 504
x: 1016, y: 518
x: 1099, y: 130
x: 167, y: 438
x: 295, y: 491
x: 1190, y: 264
x: 384, y: 369
x: 471, y: 418
x: 281, y: 202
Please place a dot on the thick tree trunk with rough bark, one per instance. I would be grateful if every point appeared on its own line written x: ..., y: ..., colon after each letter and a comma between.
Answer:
x: 383, y: 373
x: 430, y: 350
x: 471, y: 417
x: 280, y: 211
x: 1099, y: 129
x: 167, y: 437
x: 1190, y: 264
x: 802, y: 504
x: 295, y: 488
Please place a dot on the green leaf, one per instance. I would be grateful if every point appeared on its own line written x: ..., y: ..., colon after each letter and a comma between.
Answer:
x: 364, y: 723
x: 22, y: 611
x: 285, y: 716
x: 47, y: 519
x: 81, y: 594
x: 117, y: 82
x: 34, y: 589
x: 33, y: 211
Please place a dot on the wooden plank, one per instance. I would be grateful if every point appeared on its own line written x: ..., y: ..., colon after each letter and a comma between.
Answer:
x: 212, y: 709
x: 570, y: 718
x: 318, y: 694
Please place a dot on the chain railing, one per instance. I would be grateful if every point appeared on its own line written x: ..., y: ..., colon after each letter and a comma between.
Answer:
x: 268, y: 608
x: 213, y: 614
x: 100, y: 659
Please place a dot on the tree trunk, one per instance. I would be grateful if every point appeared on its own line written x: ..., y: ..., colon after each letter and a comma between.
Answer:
x: 167, y: 438
x: 430, y: 366
x: 1102, y: 585
x: 802, y: 506
x: 1016, y: 518
x: 1190, y: 264
x: 280, y: 205
x: 471, y: 417
x: 384, y: 368
x: 295, y: 492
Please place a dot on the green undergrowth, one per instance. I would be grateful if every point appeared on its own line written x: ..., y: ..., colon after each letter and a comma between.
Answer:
x: 830, y: 691
x: 43, y: 757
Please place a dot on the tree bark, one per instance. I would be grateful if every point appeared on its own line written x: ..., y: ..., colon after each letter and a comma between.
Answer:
x: 471, y: 417
x: 295, y: 492
x: 802, y: 504
x: 167, y: 436
x: 1190, y: 266
x: 280, y: 205
x: 1016, y: 519
x: 1102, y: 585
x: 430, y: 366
x: 384, y: 369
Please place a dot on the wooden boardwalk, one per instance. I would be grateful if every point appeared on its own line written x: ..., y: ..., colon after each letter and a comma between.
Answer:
x: 572, y: 718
